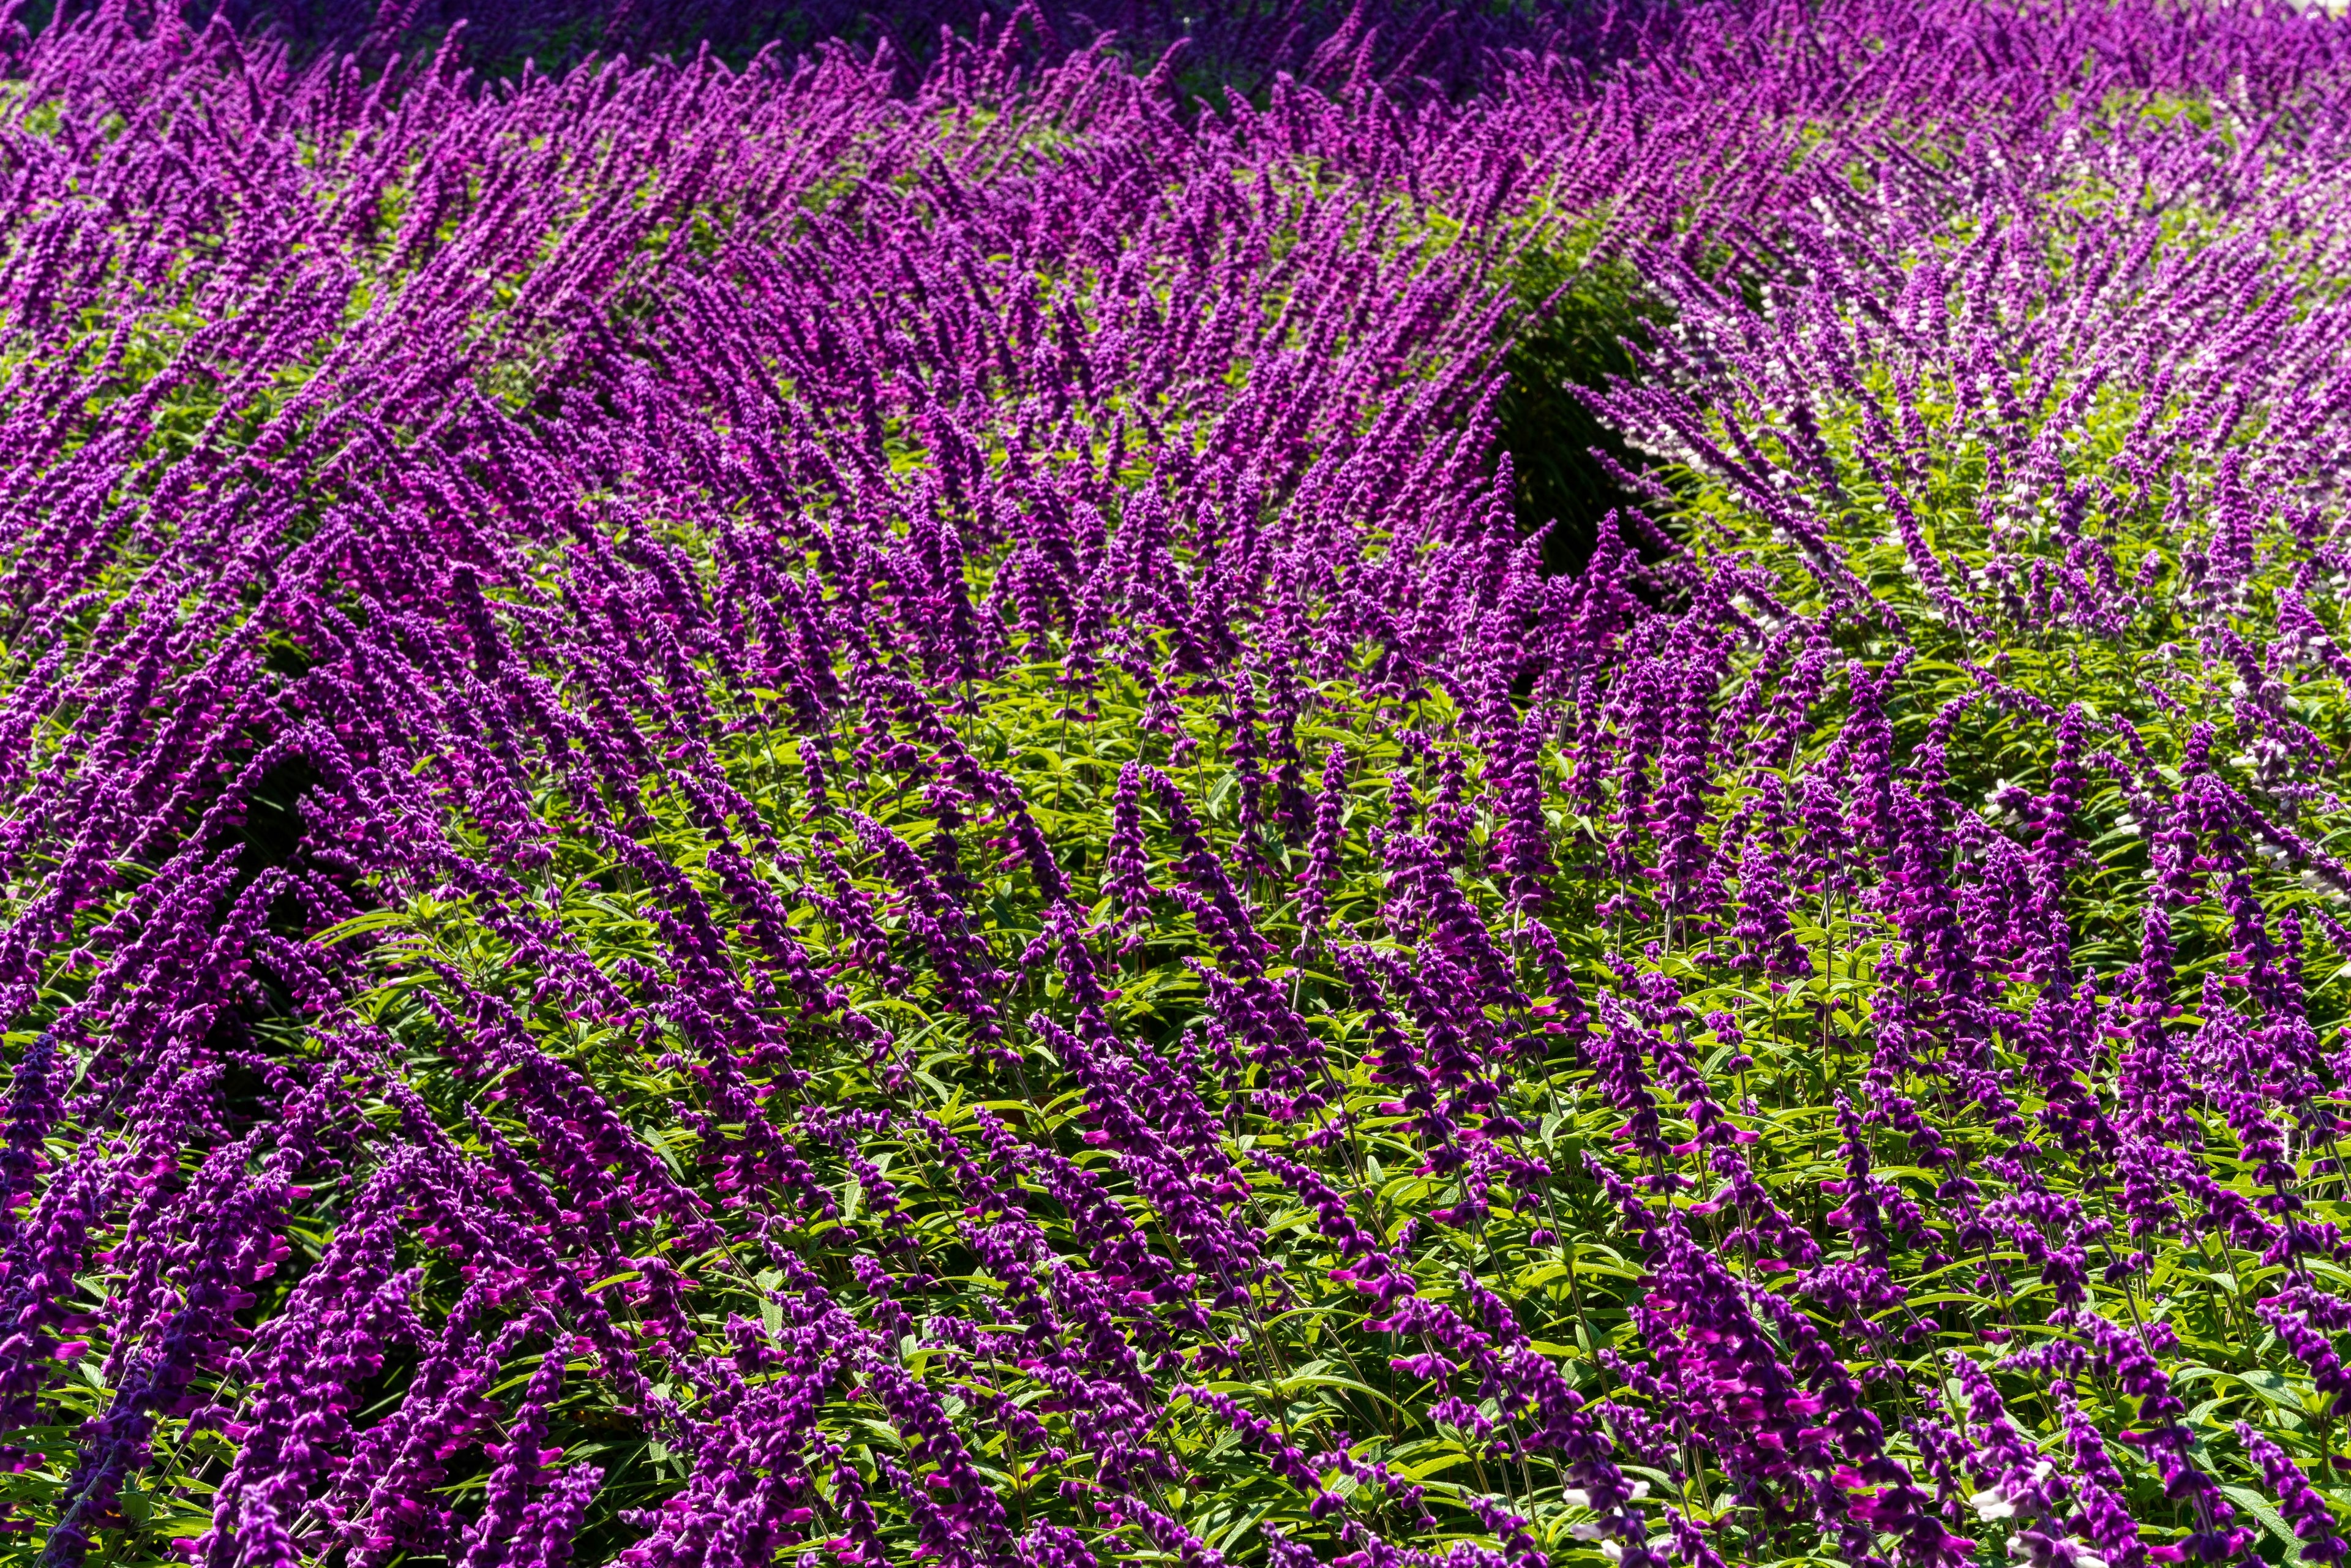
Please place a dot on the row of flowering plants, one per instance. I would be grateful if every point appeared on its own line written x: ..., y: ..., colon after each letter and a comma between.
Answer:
x: 830, y: 810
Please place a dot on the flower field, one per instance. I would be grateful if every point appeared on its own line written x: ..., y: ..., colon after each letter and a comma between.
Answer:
x: 1388, y: 788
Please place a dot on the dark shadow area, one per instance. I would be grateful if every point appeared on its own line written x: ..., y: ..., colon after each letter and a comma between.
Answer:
x: 272, y: 832
x: 1575, y: 323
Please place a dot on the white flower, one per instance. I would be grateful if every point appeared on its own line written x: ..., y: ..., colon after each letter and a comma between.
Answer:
x: 1576, y: 1497
x: 1640, y: 1490
x: 1613, y: 1550
x: 1990, y: 1503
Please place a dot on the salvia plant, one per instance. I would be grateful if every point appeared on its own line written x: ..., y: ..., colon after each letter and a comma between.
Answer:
x: 826, y: 804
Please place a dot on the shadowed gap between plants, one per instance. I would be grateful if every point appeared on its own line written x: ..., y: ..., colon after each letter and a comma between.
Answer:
x: 1576, y: 321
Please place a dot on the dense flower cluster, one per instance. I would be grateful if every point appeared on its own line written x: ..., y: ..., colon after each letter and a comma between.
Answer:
x: 826, y: 809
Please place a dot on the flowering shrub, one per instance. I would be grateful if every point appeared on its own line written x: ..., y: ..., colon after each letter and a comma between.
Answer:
x: 753, y: 815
